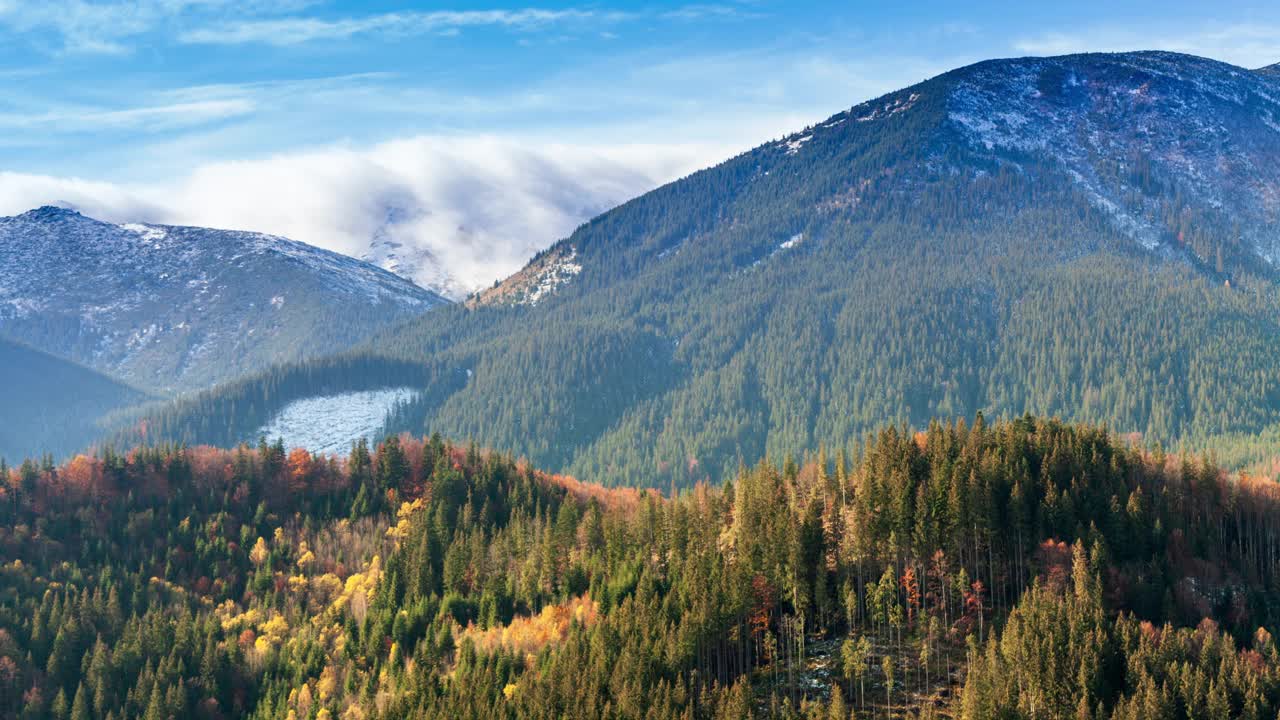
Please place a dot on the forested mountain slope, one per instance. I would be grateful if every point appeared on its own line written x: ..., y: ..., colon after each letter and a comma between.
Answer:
x: 180, y: 308
x: 51, y: 405
x: 1018, y: 569
x: 1091, y: 236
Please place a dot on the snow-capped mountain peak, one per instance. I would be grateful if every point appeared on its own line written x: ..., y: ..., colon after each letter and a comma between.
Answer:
x: 389, y: 251
x: 49, y: 213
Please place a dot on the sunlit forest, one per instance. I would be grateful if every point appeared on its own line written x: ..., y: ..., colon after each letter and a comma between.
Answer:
x: 1026, y: 568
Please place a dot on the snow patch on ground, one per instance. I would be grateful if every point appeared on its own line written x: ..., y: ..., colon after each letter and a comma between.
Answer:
x: 794, y: 241
x: 892, y: 107
x: 146, y: 232
x: 793, y: 146
x: 331, y: 423
x: 553, y: 277
x: 674, y: 249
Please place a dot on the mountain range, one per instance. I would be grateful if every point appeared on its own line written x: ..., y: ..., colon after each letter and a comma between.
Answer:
x: 96, y: 317
x: 178, y: 308
x: 1092, y: 236
x: 817, y: 335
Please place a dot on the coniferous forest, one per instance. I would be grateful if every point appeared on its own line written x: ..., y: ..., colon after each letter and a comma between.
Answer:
x: 1021, y: 569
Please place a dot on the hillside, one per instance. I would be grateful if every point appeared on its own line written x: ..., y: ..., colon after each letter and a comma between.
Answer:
x: 1018, y: 569
x: 179, y: 308
x: 52, y: 405
x: 1090, y: 236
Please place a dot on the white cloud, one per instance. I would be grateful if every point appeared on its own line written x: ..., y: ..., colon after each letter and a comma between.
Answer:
x: 111, y: 26
x: 21, y: 191
x: 1247, y: 45
x: 480, y: 205
x: 95, y: 27
x: 146, y: 118
x: 702, y: 12
x: 115, y: 26
x: 297, y: 30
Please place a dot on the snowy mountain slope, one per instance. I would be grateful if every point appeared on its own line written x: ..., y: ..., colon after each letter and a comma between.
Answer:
x: 1207, y: 131
x: 1181, y: 152
x: 538, y: 280
x: 172, y: 308
x: 973, y: 242
x: 413, y: 262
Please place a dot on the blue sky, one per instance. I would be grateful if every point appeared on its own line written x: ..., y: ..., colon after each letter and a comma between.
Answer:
x: 193, y: 110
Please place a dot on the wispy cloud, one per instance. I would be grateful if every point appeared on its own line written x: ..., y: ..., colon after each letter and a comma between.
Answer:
x: 1247, y: 45
x: 297, y: 30
x: 702, y: 12
x: 149, y: 118
x: 175, y: 115
x: 114, y: 26
x: 177, y: 108
x: 95, y: 27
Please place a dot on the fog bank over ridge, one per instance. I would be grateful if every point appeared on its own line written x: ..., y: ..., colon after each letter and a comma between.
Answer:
x: 464, y: 211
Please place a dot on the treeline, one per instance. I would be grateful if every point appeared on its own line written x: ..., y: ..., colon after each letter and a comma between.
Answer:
x: 1061, y: 568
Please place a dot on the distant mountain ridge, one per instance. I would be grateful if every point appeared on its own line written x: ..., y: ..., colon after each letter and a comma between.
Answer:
x: 174, y: 308
x: 51, y: 405
x: 1090, y: 236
